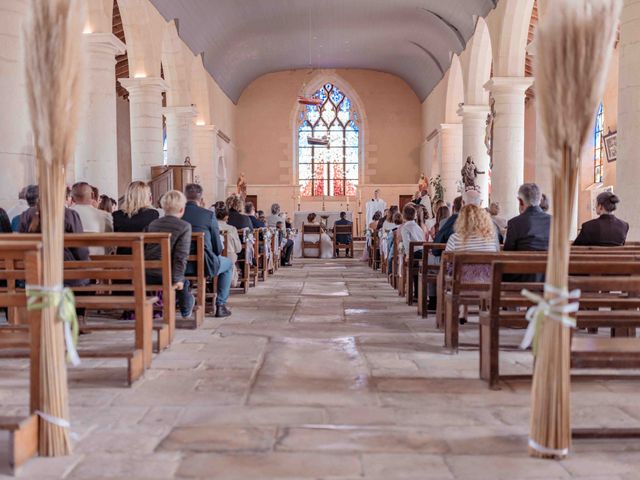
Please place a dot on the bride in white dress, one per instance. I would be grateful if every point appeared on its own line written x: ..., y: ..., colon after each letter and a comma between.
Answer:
x: 326, y: 244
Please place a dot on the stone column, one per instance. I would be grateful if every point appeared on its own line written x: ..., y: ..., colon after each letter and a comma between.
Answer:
x: 16, y: 140
x: 204, y: 140
x: 179, y: 136
x: 628, y: 166
x: 97, y: 140
x: 450, y: 158
x: 474, y: 130
x: 508, y: 140
x: 145, y: 107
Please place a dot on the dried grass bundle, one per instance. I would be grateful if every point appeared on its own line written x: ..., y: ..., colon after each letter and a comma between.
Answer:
x: 53, y: 66
x: 573, y: 49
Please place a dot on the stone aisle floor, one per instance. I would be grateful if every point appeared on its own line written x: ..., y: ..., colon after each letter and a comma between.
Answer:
x: 322, y: 372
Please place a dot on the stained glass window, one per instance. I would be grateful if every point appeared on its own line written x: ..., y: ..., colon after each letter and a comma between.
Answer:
x: 598, y: 147
x: 331, y: 169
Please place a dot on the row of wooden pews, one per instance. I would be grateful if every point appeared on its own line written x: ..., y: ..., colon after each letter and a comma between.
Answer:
x: 105, y: 287
x: 608, y: 278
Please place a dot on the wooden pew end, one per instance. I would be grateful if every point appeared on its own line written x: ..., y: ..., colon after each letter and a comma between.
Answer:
x: 23, y: 439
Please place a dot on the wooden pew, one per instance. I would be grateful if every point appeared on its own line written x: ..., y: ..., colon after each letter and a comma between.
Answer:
x: 198, y: 283
x: 261, y: 254
x: 311, y: 230
x: 428, y: 276
x: 343, y: 230
x: 606, y: 283
x: 21, y: 260
x: 243, y: 263
x: 412, y: 270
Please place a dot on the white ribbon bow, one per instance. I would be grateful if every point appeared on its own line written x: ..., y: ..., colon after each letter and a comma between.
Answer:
x: 555, y: 309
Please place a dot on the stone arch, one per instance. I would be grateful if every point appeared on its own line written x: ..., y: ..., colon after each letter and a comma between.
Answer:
x: 310, y: 86
x: 98, y: 17
x: 200, y: 91
x: 455, y: 91
x: 478, y: 71
x: 509, y: 30
x: 143, y: 27
x: 177, y: 71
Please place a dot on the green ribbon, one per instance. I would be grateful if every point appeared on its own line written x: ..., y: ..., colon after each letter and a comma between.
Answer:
x: 62, y: 299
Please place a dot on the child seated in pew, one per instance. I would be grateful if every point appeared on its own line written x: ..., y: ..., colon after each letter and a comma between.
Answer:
x: 173, y: 205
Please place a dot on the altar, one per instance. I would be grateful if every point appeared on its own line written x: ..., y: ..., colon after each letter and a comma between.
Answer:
x: 301, y: 217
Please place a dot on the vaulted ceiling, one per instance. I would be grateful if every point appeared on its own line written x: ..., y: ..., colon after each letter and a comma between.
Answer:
x: 244, y: 39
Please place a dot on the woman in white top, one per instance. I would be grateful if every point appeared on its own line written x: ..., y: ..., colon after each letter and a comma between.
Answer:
x: 234, y: 245
x: 389, y: 224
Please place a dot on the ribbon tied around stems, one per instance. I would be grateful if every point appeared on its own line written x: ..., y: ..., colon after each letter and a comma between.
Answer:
x: 62, y: 299
x: 557, y: 308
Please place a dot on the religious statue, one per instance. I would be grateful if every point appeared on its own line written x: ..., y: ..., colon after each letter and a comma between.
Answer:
x: 241, y: 186
x: 187, y: 161
x: 423, y: 183
x: 469, y: 174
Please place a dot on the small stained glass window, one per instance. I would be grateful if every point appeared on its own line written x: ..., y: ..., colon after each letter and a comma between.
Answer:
x: 598, y: 147
x: 332, y: 169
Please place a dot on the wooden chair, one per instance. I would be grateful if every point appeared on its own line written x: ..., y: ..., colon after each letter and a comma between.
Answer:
x: 262, y: 254
x: 316, y: 244
x: 428, y: 276
x: 198, y: 281
x: 343, y: 230
x: 21, y: 260
x: 243, y: 263
x: 412, y: 270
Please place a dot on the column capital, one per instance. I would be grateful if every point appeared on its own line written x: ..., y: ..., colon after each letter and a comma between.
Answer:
x: 144, y: 85
x: 181, y: 111
x: 104, y: 43
x: 205, y: 128
x: 452, y: 127
x: 474, y: 111
x: 508, y: 85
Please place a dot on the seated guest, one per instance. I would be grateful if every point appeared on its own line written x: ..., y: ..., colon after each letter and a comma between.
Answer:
x: 373, y: 226
x: 107, y: 204
x: 412, y: 232
x: 442, y: 214
x: 19, y: 207
x: 606, y: 230
x: 93, y: 220
x: 5, y: 224
x: 343, y: 239
x: 287, y: 223
x: 173, y: 204
x: 389, y: 223
x: 250, y: 211
x: 383, y: 218
x: 286, y: 245
x: 137, y: 211
x: 501, y: 222
x: 234, y: 245
x: 544, y: 203
x: 203, y: 220
x: 31, y: 196
x: 397, y: 223
x: 275, y: 216
x: 447, y: 228
x: 261, y: 217
x: 529, y: 231
x: 235, y: 205
x: 95, y: 197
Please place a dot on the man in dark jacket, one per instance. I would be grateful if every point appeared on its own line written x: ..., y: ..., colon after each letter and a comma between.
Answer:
x: 250, y: 211
x: 446, y: 229
x: 203, y: 220
x: 529, y: 231
x: 173, y: 204
x: 343, y: 239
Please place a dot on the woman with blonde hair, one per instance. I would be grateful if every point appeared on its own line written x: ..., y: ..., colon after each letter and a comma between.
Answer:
x: 137, y: 211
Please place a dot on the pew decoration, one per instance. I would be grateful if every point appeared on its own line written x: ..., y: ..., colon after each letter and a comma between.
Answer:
x: 568, y: 88
x: 53, y: 80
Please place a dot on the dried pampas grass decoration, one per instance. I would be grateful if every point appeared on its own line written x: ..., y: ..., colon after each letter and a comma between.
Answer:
x: 574, y: 44
x: 53, y: 65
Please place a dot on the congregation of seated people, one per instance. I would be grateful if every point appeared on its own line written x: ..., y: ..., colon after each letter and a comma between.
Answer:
x: 177, y: 213
x: 466, y: 226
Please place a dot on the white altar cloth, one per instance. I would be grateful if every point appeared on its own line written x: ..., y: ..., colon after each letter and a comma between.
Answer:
x: 301, y: 217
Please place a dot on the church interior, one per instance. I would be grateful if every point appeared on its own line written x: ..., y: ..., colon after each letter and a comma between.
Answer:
x: 335, y: 240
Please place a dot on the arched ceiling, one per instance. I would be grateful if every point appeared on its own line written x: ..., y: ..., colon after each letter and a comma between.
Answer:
x: 244, y: 39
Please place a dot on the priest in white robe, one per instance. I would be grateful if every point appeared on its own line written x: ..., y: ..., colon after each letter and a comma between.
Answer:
x: 376, y: 204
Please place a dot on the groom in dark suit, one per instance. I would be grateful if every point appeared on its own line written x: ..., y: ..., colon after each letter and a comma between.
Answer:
x: 343, y: 239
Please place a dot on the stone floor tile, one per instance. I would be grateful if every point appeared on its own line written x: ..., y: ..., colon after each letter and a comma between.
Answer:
x: 405, y: 466
x: 504, y: 467
x: 219, y: 439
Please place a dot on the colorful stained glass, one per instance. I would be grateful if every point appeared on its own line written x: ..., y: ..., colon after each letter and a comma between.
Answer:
x: 332, y: 169
x: 598, y: 147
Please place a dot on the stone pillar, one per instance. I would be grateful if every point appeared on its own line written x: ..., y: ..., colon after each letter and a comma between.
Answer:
x: 450, y: 158
x: 145, y: 107
x: 474, y: 131
x: 97, y: 140
x: 508, y: 140
x: 204, y: 140
x: 179, y: 136
x: 628, y: 166
x: 16, y: 140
